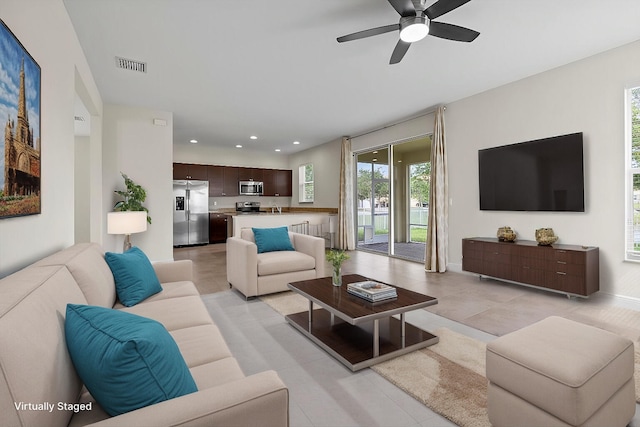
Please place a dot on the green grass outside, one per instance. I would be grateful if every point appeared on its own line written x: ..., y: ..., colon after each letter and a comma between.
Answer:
x: 418, y: 234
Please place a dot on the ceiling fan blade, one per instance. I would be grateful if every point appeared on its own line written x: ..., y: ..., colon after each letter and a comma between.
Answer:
x: 404, y: 7
x: 368, y: 33
x: 441, y: 7
x: 452, y: 32
x: 399, y: 51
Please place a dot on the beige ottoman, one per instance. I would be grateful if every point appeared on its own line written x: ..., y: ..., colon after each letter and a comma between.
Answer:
x: 558, y: 372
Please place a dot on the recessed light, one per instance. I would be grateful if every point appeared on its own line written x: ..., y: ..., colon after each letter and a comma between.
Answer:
x: 374, y: 160
x: 375, y: 152
x: 296, y: 142
x: 253, y: 137
x: 238, y: 146
x: 277, y: 149
x: 194, y: 141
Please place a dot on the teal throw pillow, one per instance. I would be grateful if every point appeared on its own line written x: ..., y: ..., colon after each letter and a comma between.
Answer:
x: 135, y: 278
x: 272, y: 239
x: 126, y: 361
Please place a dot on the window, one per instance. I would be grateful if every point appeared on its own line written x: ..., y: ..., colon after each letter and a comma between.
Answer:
x: 305, y: 179
x: 632, y: 152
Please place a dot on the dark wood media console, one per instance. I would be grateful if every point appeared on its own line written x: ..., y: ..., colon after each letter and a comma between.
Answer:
x: 568, y: 269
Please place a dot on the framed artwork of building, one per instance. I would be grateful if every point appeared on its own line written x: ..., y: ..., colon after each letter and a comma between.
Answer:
x: 20, y: 116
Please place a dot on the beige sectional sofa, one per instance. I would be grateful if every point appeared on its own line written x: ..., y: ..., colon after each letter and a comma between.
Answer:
x: 254, y: 273
x: 40, y: 387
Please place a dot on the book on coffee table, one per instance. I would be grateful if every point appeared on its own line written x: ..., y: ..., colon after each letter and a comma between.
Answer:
x: 372, y: 291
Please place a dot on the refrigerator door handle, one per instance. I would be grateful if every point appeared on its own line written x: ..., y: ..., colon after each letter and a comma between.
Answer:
x: 188, y: 197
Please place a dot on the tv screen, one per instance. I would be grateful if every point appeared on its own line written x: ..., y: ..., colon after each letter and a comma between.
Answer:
x: 541, y: 175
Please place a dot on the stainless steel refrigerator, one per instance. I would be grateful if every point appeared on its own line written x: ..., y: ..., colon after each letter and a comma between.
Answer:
x: 190, y: 212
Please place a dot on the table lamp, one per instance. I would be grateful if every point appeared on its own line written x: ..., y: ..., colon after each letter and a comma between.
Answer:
x: 126, y: 223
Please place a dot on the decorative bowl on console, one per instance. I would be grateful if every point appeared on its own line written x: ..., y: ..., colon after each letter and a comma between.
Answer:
x: 506, y: 234
x: 546, y: 236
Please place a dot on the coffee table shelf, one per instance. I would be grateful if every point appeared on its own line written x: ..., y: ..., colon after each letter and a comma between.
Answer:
x: 354, y: 331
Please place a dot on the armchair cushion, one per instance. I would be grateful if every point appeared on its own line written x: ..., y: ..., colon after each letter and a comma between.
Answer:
x: 135, y: 278
x: 126, y: 361
x: 272, y: 239
x: 278, y: 263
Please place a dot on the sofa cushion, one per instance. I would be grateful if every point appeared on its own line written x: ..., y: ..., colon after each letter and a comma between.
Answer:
x: 170, y: 291
x: 272, y: 239
x: 280, y: 262
x: 174, y: 313
x: 34, y: 363
x: 126, y: 361
x: 134, y: 276
x: 86, y: 263
x: 200, y: 344
x: 216, y: 373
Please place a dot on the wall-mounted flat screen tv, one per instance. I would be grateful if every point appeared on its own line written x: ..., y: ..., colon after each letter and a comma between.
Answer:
x: 541, y: 175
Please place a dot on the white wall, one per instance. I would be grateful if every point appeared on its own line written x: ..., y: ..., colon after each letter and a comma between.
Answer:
x: 422, y: 125
x: 133, y: 145
x: 326, y: 174
x: 82, y: 187
x: 44, y: 29
x: 203, y: 154
x: 585, y: 96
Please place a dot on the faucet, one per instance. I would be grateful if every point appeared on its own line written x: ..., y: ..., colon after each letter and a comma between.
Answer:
x: 275, y: 205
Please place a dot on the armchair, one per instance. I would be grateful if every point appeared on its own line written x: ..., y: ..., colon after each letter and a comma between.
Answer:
x: 256, y: 274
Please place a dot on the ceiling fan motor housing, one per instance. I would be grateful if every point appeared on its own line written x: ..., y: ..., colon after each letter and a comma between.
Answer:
x: 413, y: 28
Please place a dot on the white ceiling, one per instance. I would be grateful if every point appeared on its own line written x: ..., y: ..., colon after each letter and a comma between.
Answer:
x: 228, y: 69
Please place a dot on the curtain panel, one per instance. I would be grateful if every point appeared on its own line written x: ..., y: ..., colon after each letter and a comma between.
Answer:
x: 346, y: 231
x: 438, y: 224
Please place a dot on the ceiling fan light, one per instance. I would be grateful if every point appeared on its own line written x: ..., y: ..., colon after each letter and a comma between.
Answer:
x: 413, y: 28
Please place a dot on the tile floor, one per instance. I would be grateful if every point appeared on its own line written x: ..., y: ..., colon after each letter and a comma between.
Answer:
x: 325, y: 393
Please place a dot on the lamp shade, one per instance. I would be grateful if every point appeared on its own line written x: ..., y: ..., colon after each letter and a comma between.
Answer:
x: 126, y: 222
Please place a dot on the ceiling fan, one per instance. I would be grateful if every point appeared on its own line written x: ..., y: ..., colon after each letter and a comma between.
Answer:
x: 416, y: 23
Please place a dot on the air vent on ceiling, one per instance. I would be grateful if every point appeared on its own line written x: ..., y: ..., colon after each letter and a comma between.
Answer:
x: 130, y: 64
x: 78, y: 118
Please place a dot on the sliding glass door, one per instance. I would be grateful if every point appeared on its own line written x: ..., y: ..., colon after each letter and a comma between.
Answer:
x: 392, y: 199
x: 373, y: 195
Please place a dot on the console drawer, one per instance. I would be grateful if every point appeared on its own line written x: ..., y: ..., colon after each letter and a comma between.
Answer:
x: 570, y: 269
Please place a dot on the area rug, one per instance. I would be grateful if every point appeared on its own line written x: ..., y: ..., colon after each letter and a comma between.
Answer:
x: 287, y: 302
x: 449, y: 377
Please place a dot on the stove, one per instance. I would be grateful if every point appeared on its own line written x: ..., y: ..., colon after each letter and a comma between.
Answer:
x: 248, y: 207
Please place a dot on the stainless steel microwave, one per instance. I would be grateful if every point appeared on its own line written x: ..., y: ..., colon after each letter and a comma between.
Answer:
x: 251, y: 188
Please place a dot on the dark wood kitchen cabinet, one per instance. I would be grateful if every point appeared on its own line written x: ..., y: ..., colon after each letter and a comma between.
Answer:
x: 277, y: 182
x: 216, y: 180
x: 224, y: 180
x: 250, y: 174
x: 230, y: 181
x: 190, y: 171
x: 218, y: 227
x: 569, y: 269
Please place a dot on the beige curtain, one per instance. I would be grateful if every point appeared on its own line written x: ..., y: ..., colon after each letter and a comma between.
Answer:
x: 346, y: 233
x: 438, y: 225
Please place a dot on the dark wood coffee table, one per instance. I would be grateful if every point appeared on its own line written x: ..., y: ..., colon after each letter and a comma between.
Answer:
x: 356, y: 332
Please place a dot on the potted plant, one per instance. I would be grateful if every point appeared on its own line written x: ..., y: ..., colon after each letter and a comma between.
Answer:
x: 134, y: 196
x: 336, y: 258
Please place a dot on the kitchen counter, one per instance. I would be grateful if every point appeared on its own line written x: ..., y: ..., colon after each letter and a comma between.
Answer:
x: 285, y: 210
